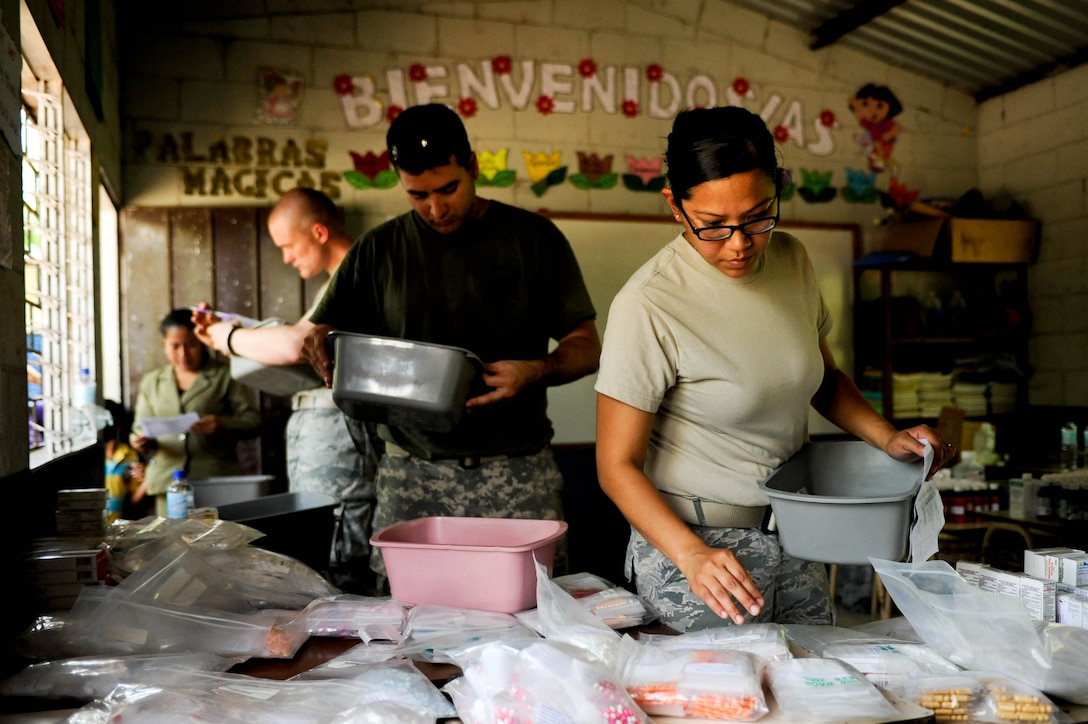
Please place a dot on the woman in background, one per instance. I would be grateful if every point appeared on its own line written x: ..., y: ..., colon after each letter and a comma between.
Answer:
x: 713, y: 353
x: 192, y: 382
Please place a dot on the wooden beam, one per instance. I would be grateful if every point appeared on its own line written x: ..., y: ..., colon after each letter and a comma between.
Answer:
x: 850, y: 20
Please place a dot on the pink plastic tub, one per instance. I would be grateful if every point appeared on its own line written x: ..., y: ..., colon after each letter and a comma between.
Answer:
x: 484, y: 564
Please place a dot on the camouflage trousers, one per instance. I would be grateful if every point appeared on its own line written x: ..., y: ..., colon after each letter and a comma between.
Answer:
x: 328, y: 452
x: 794, y: 591
x: 526, y: 486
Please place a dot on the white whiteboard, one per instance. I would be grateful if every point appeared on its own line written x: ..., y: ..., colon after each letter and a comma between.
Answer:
x: 610, y: 248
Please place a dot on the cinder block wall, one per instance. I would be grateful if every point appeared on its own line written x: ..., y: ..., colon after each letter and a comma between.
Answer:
x: 197, y: 73
x: 1033, y: 146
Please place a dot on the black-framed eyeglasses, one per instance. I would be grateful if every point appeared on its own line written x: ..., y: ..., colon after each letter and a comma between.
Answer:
x: 723, y: 232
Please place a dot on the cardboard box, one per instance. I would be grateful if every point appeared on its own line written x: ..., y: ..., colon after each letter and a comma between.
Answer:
x: 1036, y: 561
x: 969, y: 571
x: 1073, y: 570
x: 990, y: 241
x: 1023, y: 497
x: 1039, y: 598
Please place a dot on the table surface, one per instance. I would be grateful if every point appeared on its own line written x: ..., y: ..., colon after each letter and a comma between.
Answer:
x: 318, y: 650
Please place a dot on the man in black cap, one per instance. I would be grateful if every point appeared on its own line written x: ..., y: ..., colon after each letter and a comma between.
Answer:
x: 479, y: 274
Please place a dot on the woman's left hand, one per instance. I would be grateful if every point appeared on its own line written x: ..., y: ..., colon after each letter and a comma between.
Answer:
x: 207, y: 425
x: 906, y: 446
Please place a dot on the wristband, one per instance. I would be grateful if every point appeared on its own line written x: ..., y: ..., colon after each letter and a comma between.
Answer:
x: 230, y: 334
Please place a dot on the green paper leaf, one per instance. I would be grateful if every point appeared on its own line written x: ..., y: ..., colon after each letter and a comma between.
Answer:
x: 504, y: 178
x: 386, y: 180
x: 580, y: 181
x: 357, y: 180
x: 557, y: 176
x: 607, y: 181
x: 540, y: 187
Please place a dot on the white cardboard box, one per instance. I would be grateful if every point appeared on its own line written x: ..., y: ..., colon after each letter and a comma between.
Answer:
x: 1035, y: 560
x: 969, y: 571
x: 993, y: 580
x: 1073, y: 570
x: 1039, y: 597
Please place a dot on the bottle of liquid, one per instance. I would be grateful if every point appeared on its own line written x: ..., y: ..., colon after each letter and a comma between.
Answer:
x: 986, y: 445
x: 1069, y: 446
x: 85, y: 389
x: 179, y: 496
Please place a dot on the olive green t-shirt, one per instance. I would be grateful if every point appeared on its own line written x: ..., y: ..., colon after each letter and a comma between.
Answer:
x: 501, y: 287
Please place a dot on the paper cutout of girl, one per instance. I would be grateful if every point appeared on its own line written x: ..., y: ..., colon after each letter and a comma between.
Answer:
x: 281, y: 97
x: 876, y: 107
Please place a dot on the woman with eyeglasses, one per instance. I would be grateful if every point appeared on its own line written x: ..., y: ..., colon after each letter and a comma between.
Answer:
x: 713, y: 352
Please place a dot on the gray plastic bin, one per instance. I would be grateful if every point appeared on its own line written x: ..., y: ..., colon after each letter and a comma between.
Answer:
x: 214, y: 492
x: 298, y: 524
x: 841, y: 502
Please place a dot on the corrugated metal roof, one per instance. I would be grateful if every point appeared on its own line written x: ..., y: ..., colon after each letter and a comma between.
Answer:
x: 983, y: 47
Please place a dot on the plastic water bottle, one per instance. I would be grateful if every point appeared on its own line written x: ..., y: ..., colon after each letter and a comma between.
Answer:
x: 1069, y: 446
x: 179, y: 496
x: 85, y: 390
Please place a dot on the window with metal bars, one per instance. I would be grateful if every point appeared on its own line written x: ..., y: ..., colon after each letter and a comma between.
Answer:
x: 59, y: 273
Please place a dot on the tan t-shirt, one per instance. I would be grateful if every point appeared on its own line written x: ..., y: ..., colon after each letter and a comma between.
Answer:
x: 728, y: 366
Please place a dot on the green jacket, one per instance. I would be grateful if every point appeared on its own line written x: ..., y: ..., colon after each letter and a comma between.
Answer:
x: 213, y: 392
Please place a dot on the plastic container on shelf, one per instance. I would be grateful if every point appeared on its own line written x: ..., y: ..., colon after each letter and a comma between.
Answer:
x: 1069, y: 446
x: 841, y: 502
x: 985, y: 445
x: 213, y: 492
x: 179, y: 496
x: 484, y: 564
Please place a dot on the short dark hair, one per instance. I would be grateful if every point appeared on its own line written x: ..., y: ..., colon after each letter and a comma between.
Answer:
x: 177, y: 318
x: 712, y: 143
x: 424, y: 137
x: 879, y: 93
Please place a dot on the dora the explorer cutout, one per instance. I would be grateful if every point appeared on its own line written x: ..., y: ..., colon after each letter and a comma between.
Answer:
x: 876, y: 107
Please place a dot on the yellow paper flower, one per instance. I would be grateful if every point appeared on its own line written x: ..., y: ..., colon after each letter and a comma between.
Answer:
x: 491, y: 163
x: 540, y: 164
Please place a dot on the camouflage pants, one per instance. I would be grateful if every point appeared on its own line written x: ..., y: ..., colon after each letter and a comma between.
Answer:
x: 527, y: 486
x: 794, y: 591
x: 328, y: 452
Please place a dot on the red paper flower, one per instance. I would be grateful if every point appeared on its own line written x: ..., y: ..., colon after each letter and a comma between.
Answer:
x: 343, y: 84
x: 901, y: 195
x: 417, y: 72
x: 654, y: 72
x: 587, y: 68
x: 630, y: 108
x: 501, y: 64
x: 370, y: 165
x: 467, y: 107
x: 392, y: 112
x: 741, y: 86
x: 545, y: 104
x: 781, y: 134
x: 827, y: 118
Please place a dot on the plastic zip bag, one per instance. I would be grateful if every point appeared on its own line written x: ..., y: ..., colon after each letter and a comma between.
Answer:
x: 615, y: 605
x: 958, y: 621
x: 812, y: 689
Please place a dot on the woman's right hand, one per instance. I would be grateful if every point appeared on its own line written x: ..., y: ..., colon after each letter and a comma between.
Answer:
x: 718, y: 577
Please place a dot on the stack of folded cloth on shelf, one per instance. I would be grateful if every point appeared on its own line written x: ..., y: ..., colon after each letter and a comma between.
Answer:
x: 971, y: 397
x: 921, y: 394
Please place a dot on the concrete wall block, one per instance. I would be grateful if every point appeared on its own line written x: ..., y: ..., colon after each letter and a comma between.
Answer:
x: 1053, y: 203
x: 1046, y: 388
x: 203, y: 101
x: 1031, y: 101
x: 177, y: 57
x: 152, y: 98
x: 320, y: 30
x: 467, y: 39
x: 258, y: 27
x: 991, y: 114
x: 620, y: 49
x: 395, y: 32
x: 1071, y: 87
x: 607, y: 15
x: 1062, y: 352
x: 1001, y: 144
x: 1076, y: 388
x: 245, y: 60
x: 670, y: 19
x: 562, y: 45
x: 522, y: 12
x: 723, y: 20
x: 330, y: 62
